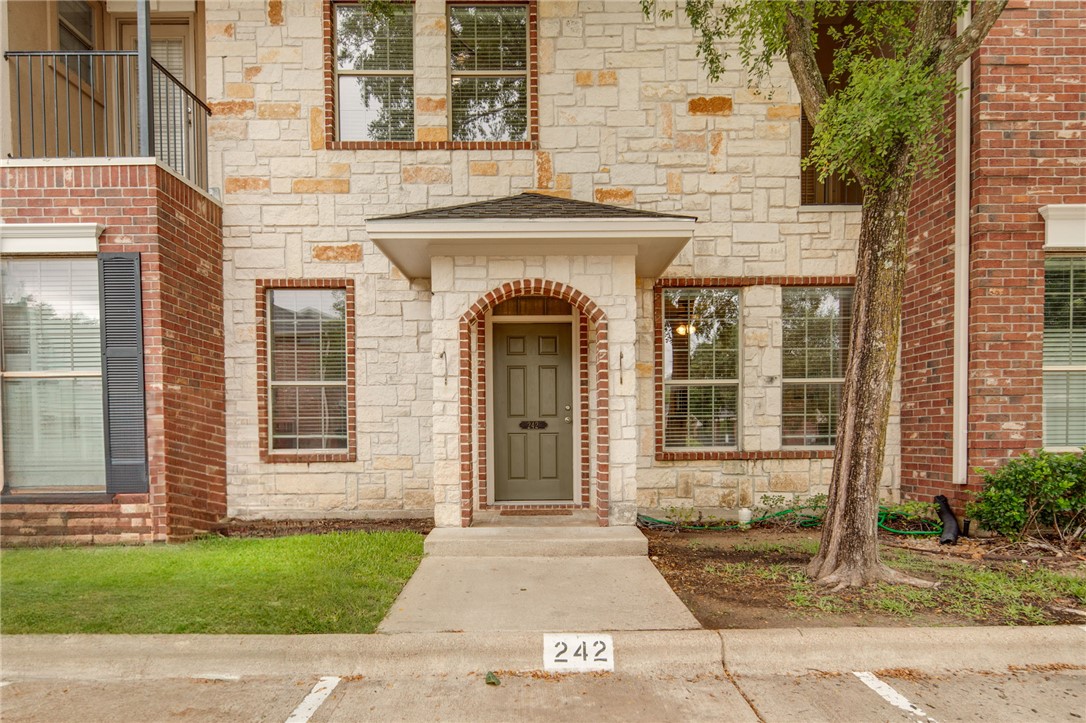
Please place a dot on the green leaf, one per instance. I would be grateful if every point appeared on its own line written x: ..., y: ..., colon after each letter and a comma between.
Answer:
x: 492, y: 679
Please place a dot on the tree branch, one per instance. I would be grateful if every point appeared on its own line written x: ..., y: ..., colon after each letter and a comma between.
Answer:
x: 959, y: 50
x: 804, y: 64
x: 934, y: 25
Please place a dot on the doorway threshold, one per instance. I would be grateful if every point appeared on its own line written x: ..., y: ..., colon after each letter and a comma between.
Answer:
x: 530, y: 518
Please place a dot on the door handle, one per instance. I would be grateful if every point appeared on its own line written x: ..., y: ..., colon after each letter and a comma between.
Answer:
x: 569, y: 421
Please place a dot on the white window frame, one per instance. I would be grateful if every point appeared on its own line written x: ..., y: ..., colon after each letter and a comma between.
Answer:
x: 838, y: 381
x: 526, y: 73
x: 1065, y: 236
x: 736, y: 383
x: 38, y: 240
x: 337, y: 73
x: 273, y: 385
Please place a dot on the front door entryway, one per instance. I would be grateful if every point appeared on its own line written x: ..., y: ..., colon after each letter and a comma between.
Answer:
x: 533, y: 412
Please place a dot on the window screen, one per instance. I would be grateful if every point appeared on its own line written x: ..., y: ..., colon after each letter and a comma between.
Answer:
x: 308, y: 362
x: 374, y: 74
x: 1065, y: 352
x: 701, y: 367
x: 488, y: 72
x: 816, y: 337
x: 50, y: 374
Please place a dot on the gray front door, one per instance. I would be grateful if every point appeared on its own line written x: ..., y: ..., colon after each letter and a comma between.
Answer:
x: 533, y: 412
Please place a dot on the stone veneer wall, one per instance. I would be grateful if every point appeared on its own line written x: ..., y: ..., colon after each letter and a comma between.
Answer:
x: 626, y: 116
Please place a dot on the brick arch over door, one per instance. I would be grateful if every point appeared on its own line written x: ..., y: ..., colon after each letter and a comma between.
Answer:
x: 474, y: 317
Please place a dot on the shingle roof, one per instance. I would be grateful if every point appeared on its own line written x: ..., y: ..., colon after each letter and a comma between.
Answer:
x: 530, y: 206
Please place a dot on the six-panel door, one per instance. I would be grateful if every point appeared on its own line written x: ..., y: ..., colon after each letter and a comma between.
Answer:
x: 533, y: 412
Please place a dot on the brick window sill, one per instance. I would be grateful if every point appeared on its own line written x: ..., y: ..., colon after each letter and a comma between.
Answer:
x: 432, y: 145
x: 306, y: 458
x: 69, y: 498
x: 733, y: 454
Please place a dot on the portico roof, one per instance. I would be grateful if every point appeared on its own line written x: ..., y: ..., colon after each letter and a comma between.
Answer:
x: 531, y: 224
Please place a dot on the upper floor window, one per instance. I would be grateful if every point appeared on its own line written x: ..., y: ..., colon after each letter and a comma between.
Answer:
x: 834, y: 189
x: 816, y: 340
x: 374, y: 65
x: 1065, y: 352
x: 701, y: 367
x: 75, y: 19
x: 488, y: 72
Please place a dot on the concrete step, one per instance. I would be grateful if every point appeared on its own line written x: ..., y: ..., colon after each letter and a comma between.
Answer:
x: 536, y: 542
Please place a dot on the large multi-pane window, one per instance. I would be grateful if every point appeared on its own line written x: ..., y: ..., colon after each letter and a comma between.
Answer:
x: 701, y: 367
x: 488, y: 72
x: 375, y: 84
x: 1065, y: 352
x: 816, y: 336
x: 51, y: 375
x: 308, y: 364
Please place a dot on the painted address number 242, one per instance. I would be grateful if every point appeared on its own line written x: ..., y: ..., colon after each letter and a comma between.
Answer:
x: 578, y: 652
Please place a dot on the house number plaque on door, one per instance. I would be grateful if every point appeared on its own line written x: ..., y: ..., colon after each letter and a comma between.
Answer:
x: 540, y: 424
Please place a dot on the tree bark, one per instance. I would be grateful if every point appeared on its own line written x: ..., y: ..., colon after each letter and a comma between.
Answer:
x: 848, y: 555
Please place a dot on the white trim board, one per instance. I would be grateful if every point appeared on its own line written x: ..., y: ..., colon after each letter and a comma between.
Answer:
x: 1065, y: 226
x: 410, y: 244
x: 49, y: 238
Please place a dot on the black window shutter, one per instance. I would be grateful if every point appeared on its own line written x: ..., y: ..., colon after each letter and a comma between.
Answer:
x: 122, y: 372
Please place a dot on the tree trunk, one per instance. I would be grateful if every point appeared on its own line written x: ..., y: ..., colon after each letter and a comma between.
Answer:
x: 848, y: 555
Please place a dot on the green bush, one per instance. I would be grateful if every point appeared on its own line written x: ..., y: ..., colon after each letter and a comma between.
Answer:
x: 1034, y: 491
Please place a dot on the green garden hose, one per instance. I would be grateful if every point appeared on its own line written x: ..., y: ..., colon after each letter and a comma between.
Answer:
x: 805, y: 520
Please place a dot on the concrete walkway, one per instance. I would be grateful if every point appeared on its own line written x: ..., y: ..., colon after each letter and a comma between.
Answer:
x: 552, y: 578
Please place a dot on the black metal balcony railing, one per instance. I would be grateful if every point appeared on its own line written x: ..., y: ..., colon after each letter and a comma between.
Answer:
x: 86, y: 104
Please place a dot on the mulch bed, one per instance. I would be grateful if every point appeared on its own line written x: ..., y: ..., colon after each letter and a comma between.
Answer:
x: 283, y: 528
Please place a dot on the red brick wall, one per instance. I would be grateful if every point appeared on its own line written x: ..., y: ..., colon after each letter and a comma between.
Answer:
x: 125, y: 520
x: 927, y: 335
x: 1027, y: 146
x: 194, y: 384
x: 177, y: 231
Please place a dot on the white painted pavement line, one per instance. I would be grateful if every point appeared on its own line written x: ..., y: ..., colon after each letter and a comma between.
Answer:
x: 890, y: 695
x: 309, y: 705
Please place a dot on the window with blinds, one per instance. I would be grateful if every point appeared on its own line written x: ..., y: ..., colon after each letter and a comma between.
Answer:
x: 833, y: 189
x: 701, y: 367
x: 1065, y: 352
x: 488, y: 72
x: 816, y: 326
x: 51, y: 375
x: 375, y: 84
x: 308, y: 364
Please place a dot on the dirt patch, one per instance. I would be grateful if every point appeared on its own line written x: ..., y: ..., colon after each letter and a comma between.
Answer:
x: 284, y: 528
x: 756, y: 579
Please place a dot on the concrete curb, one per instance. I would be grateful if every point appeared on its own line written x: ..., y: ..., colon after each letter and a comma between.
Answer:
x: 131, y: 657
x: 802, y: 650
x: 686, y: 652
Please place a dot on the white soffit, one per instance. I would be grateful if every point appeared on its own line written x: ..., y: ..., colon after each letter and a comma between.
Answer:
x: 49, y: 238
x: 410, y: 244
x: 1065, y: 226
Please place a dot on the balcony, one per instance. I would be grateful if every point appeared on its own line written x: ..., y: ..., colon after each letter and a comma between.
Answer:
x: 88, y: 104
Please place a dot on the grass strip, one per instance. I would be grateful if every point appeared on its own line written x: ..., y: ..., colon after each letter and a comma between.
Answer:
x: 334, y: 583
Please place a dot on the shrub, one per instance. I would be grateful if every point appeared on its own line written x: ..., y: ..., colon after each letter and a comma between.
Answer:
x: 1042, y: 490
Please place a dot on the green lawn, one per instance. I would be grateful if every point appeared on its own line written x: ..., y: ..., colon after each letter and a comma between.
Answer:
x: 334, y: 583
